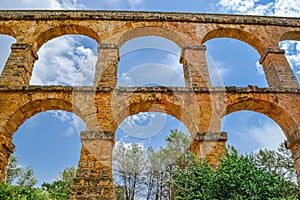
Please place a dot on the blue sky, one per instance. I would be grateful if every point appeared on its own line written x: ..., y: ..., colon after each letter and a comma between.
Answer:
x: 49, y: 141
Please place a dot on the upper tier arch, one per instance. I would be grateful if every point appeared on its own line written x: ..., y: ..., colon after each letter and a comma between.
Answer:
x: 238, y: 34
x: 64, y: 29
x: 291, y: 35
x: 179, y: 38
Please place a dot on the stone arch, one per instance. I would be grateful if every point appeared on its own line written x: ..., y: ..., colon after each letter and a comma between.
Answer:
x: 273, y: 111
x: 32, y: 108
x: 238, y: 34
x: 162, y: 105
x: 179, y: 38
x: 16, y: 117
x: 61, y: 30
x: 291, y: 35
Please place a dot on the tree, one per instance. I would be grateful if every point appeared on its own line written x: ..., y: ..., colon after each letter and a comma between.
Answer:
x: 237, y: 177
x: 163, y: 161
x: 67, y: 175
x: 129, y: 166
x: 17, y: 175
x: 60, y: 188
x: 27, y: 178
x: 145, y: 174
x: 10, y: 192
x: 13, y: 169
x: 278, y: 162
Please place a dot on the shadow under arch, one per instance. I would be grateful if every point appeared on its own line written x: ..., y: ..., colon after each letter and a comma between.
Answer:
x: 179, y: 38
x: 291, y: 35
x: 238, y: 34
x: 275, y: 112
x: 62, y: 30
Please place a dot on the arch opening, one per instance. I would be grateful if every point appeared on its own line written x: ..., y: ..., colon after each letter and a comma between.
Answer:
x: 49, y: 142
x: 148, y: 145
x: 232, y: 62
x: 67, y: 60
x: 263, y: 138
x: 255, y: 131
x: 150, y: 61
x: 5, y: 43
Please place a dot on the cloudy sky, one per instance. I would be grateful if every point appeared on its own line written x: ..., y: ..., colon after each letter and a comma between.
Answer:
x: 49, y: 141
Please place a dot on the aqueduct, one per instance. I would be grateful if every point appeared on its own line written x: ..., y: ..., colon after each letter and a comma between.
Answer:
x: 104, y: 106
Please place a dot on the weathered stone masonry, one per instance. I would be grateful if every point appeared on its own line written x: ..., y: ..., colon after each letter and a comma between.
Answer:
x: 104, y: 106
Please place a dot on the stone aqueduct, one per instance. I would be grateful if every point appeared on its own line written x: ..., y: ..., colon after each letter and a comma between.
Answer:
x: 104, y: 106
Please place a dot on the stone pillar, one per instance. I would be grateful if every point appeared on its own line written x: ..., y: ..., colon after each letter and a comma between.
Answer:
x: 277, y: 69
x: 94, y: 174
x: 18, y: 68
x: 6, y: 149
x: 107, y: 65
x: 194, y: 66
x: 209, y: 146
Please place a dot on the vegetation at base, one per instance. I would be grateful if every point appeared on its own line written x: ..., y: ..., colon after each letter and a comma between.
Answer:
x: 172, y: 173
x: 237, y: 177
x: 60, y: 188
x: 19, y: 184
x: 10, y: 192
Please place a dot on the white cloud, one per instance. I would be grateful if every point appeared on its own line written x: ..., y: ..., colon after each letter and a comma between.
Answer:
x: 245, y: 7
x: 144, y: 124
x: 71, y: 4
x: 269, y: 135
x: 259, y: 69
x: 172, y: 61
x: 255, y: 131
x: 73, y: 123
x: 285, y: 8
x: 292, y: 49
x: 64, y: 61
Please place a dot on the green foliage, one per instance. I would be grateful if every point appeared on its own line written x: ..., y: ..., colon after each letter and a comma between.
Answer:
x: 237, y: 177
x: 26, y: 178
x: 60, y: 188
x: 120, y: 192
x: 279, y: 162
x: 9, y: 192
x: 17, y: 175
x: 13, y: 169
